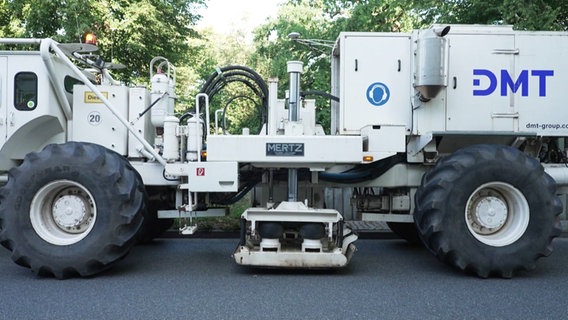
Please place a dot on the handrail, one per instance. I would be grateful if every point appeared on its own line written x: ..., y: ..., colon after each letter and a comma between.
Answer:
x: 197, y: 99
x: 44, y: 47
x: 20, y: 41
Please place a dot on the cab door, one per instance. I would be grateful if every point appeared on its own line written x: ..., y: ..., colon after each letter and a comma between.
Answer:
x: 3, y: 108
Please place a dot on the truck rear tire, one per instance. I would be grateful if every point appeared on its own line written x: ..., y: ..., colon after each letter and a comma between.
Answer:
x: 490, y: 210
x: 71, y: 209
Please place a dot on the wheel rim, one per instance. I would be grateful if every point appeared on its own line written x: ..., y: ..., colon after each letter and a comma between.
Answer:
x: 497, y: 214
x: 63, y: 212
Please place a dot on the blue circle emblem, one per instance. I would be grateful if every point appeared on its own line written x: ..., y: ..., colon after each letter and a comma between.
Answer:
x: 378, y: 94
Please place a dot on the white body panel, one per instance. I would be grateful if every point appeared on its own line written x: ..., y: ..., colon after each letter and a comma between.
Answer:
x: 383, y: 141
x: 207, y: 176
x: 317, y: 150
x: 374, y: 80
x: 3, y: 108
x: 152, y: 174
x: 138, y: 101
x: 278, y: 119
x: 465, y: 111
x: 500, y: 81
x: 93, y: 122
x: 544, y: 109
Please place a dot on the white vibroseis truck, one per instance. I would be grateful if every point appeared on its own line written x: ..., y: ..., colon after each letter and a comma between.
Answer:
x: 454, y: 137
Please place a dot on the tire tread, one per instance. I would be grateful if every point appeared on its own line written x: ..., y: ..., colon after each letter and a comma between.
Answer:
x: 437, y: 184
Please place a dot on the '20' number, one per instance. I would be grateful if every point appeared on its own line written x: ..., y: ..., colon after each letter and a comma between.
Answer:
x: 94, y: 118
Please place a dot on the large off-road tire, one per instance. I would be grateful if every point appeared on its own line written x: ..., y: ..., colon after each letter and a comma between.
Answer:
x: 488, y: 210
x: 71, y: 209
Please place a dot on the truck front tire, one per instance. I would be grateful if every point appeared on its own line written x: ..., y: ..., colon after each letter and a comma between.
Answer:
x: 71, y: 209
x: 488, y: 210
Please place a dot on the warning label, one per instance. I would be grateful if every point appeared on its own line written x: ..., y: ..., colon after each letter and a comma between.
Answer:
x: 91, y: 97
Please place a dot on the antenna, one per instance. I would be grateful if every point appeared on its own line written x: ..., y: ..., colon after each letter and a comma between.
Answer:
x: 315, y: 44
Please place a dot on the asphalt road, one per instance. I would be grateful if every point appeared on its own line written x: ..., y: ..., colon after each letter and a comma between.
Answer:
x: 196, y: 279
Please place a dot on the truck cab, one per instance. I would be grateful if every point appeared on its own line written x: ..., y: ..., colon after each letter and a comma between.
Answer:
x: 29, y: 111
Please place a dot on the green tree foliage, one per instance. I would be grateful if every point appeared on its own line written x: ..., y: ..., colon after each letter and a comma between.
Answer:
x: 400, y: 15
x: 522, y: 14
x: 536, y: 14
x: 146, y: 28
x: 458, y: 11
x: 129, y: 31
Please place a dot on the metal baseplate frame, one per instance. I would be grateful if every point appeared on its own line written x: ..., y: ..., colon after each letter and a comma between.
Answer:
x: 290, y: 250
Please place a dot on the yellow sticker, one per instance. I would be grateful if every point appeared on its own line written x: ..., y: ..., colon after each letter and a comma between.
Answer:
x: 91, y: 97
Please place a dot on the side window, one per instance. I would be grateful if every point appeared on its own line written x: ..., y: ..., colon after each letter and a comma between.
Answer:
x: 69, y: 82
x: 25, y: 91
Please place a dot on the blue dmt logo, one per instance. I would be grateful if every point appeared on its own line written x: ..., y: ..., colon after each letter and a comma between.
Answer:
x: 507, y: 82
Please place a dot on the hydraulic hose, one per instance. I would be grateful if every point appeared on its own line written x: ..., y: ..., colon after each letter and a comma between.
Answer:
x: 227, y: 105
x: 250, y: 78
x: 363, y: 172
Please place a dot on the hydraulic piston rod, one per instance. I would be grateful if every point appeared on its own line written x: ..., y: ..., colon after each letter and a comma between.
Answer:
x: 295, y: 70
